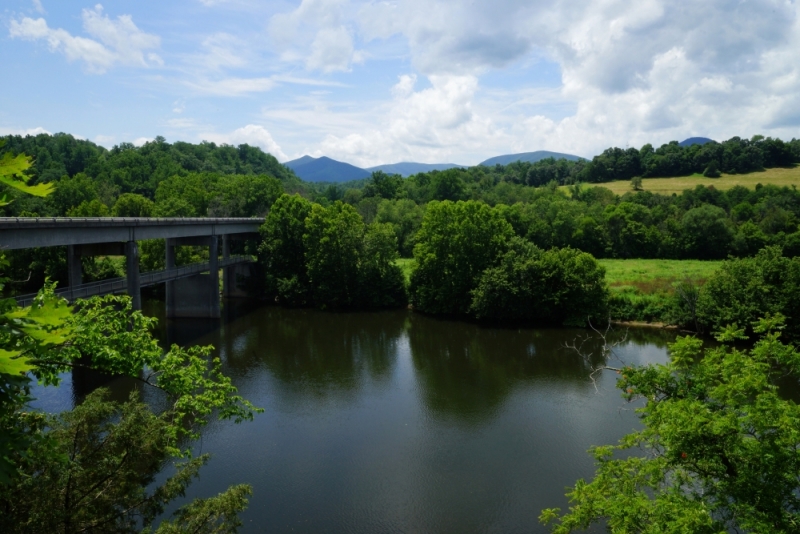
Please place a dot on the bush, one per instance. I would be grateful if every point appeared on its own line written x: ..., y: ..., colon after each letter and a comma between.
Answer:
x: 742, y: 290
x: 557, y: 286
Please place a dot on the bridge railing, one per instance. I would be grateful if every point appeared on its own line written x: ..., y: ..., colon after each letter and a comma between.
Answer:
x: 119, y: 285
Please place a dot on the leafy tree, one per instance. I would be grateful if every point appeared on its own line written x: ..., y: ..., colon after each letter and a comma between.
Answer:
x: 712, y: 171
x: 707, y: 232
x: 334, y: 239
x: 283, y: 250
x: 455, y: 244
x: 93, y: 208
x: 636, y: 183
x: 132, y: 205
x: 557, y: 286
x: 383, y: 185
x: 742, y: 290
x: 719, y: 448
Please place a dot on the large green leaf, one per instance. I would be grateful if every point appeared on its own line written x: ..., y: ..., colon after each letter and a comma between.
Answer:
x: 11, y: 169
x: 12, y: 364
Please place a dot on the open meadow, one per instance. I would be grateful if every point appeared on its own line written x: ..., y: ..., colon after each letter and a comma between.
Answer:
x: 666, y: 186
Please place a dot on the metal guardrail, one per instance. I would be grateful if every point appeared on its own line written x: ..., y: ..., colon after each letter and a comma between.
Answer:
x: 120, y: 285
x: 49, y: 222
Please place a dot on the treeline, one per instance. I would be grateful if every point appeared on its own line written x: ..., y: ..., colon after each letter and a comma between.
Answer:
x: 93, y: 181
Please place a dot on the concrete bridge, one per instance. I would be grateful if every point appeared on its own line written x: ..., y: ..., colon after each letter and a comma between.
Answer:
x: 190, y: 293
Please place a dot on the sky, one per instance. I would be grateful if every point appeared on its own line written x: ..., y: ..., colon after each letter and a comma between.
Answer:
x: 376, y: 82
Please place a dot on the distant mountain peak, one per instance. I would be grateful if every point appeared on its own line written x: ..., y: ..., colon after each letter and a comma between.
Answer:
x: 325, y: 169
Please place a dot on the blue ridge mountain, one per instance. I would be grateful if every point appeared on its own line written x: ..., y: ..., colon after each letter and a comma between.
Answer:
x: 325, y: 169
x: 695, y: 141
x: 408, y: 168
x: 531, y: 157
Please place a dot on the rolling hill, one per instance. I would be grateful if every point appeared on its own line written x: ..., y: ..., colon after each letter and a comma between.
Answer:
x: 695, y: 141
x: 531, y: 157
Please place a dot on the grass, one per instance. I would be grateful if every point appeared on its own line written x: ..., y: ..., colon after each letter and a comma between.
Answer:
x: 653, y: 276
x: 667, y: 186
x: 643, y: 290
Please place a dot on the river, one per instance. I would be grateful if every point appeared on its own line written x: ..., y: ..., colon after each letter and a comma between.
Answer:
x: 397, y: 422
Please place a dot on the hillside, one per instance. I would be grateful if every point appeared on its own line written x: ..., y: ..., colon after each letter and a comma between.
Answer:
x: 325, y: 169
x: 530, y: 157
x: 779, y: 176
x: 695, y: 141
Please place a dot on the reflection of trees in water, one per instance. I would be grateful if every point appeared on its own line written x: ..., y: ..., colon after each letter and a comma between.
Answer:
x: 313, y: 350
x: 467, y: 371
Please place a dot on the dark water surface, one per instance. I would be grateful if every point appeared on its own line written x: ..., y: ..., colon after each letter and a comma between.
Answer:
x: 396, y: 422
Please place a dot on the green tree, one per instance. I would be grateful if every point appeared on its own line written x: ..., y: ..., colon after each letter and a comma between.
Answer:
x: 719, y: 451
x: 455, y: 244
x: 132, y: 205
x: 557, y: 286
x: 742, y: 290
x: 334, y: 241
x: 706, y: 232
x: 283, y: 252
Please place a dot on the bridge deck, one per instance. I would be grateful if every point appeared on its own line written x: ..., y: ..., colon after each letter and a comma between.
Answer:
x: 120, y: 285
x: 34, y: 232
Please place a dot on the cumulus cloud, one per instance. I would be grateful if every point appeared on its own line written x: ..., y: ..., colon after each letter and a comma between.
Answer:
x: 253, y: 135
x: 117, y: 41
x: 141, y: 141
x: 37, y: 5
x: 632, y: 73
x: 426, y: 125
x: 317, y: 35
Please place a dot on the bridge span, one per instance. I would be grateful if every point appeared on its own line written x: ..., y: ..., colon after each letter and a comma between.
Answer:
x: 190, y: 292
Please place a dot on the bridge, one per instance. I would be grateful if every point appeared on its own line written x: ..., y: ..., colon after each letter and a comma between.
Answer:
x: 190, y: 292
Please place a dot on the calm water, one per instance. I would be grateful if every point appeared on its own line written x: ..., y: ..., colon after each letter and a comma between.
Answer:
x: 396, y: 422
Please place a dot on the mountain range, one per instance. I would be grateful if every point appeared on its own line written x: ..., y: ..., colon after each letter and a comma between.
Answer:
x: 325, y: 169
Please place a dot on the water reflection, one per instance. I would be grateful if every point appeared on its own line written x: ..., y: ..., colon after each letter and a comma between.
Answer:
x: 467, y: 371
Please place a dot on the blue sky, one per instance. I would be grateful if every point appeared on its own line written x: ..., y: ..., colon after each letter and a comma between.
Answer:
x: 372, y: 82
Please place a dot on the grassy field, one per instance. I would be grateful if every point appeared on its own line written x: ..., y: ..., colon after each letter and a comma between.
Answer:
x: 645, y: 276
x: 653, y: 276
x: 667, y: 186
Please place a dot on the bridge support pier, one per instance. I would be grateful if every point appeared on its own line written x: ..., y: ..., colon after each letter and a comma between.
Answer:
x: 74, y: 268
x: 231, y: 274
x: 132, y: 274
x: 196, y: 296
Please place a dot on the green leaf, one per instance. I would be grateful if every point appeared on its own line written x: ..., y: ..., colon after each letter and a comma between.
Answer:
x: 12, y: 364
x: 11, y: 169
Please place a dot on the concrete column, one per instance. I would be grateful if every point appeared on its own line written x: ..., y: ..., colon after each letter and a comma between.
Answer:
x: 226, y: 271
x: 74, y: 274
x: 132, y: 274
x: 213, y: 271
x: 169, y: 263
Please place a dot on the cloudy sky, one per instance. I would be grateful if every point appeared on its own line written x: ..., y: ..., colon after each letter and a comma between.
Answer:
x: 372, y: 82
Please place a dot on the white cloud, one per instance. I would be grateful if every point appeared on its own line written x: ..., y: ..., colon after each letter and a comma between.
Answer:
x: 104, y: 140
x: 115, y: 41
x: 316, y: 34
x: 24, y: 131
x: 253, y: 135
x: 430, y: 124
x: 232, y: 86
x: 632, y: 73
x: 141, y: 141
x: 37, y: 5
